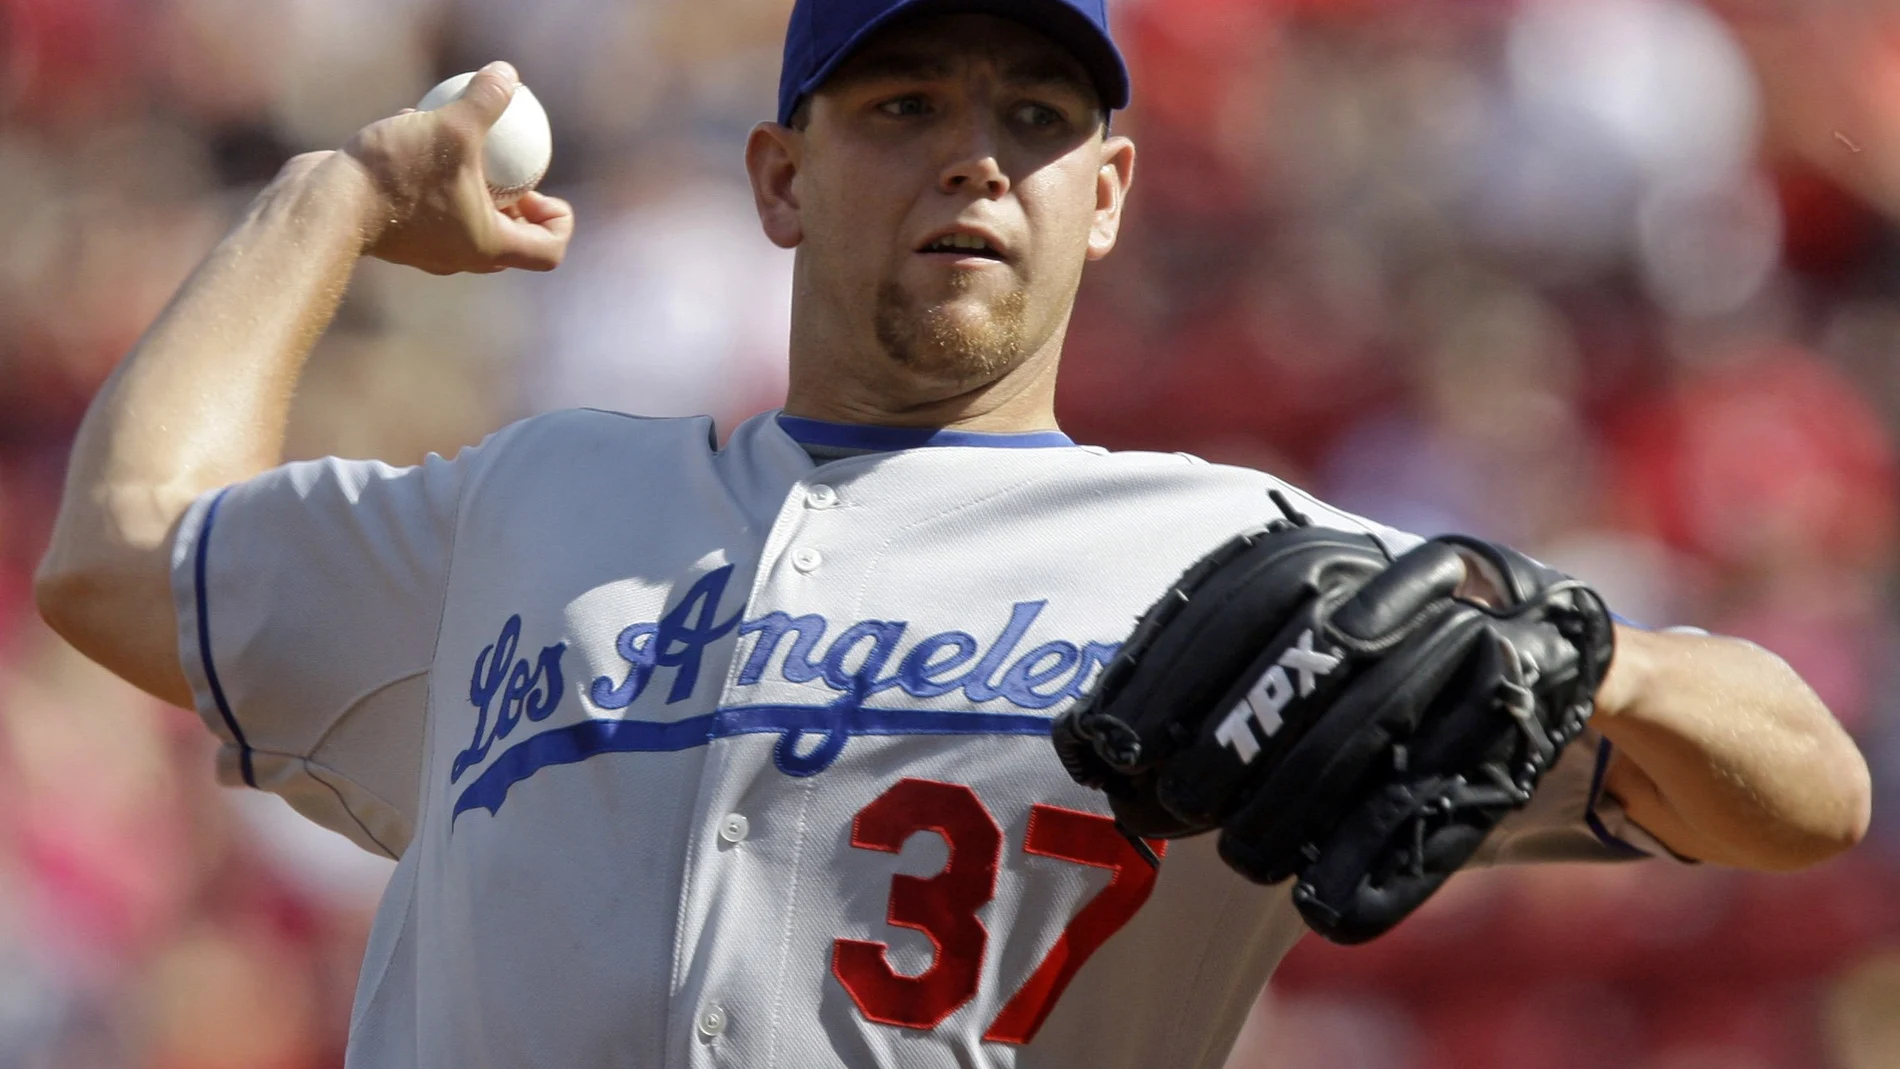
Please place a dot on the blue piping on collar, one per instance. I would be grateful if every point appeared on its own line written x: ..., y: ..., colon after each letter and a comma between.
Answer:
x: 860, y: 436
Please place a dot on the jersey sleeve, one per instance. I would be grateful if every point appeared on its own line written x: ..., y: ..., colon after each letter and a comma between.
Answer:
x: 1395, y: 541
x: 1571, y: 817
x: 308, y: 602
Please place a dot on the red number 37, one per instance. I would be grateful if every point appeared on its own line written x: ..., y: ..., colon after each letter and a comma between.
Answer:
x: 944, y: 906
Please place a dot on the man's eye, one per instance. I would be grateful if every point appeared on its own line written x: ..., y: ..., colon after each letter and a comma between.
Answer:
x: 903, y: 106
x: 1038, y: 115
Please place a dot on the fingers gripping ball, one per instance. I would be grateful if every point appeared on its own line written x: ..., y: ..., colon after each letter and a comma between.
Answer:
x: 1340, y: 717
x: 518, y: 148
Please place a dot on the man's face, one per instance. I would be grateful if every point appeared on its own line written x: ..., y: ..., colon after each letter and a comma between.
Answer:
x: 942, y: 133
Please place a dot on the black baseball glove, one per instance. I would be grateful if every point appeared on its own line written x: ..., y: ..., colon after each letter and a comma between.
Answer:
x: 1340, y: 716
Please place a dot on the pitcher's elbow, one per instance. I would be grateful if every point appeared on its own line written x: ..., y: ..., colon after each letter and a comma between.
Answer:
x: 1857, y: 801
x: 63, y: 594
x: 1841, y: 822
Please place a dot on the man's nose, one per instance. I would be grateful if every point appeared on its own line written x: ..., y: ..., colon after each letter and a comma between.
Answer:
x: 974, y: 167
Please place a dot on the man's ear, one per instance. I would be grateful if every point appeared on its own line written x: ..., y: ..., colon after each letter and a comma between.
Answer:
x: 773, y: 154
x: 1117, y: 173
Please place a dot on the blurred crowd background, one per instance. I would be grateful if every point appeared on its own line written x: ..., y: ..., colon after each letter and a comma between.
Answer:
x: 1617, y: 281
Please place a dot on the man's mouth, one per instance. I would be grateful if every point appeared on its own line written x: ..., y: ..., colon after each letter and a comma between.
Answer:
x: 961, y: 245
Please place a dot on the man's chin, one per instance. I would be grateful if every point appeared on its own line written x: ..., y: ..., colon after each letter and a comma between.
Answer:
x: 948, y: 358
x: 962, y: 339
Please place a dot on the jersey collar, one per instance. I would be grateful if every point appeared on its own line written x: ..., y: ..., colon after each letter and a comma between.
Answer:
x: 856, y: 436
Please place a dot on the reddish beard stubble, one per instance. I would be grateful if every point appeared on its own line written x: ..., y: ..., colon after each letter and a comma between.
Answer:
x: 933, y: 341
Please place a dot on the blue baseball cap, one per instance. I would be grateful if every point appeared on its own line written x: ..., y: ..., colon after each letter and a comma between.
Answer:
x: 824, y: 33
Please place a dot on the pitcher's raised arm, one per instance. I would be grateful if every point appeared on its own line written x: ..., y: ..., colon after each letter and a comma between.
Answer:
x: 201, y: 401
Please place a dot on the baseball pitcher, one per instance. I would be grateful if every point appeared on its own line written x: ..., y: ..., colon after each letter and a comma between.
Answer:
x: 902, y: 730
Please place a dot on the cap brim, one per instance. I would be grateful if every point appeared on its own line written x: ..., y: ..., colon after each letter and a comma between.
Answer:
x: 1055, y: 19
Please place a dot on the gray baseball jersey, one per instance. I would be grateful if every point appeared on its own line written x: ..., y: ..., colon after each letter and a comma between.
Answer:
x: 739, y: 757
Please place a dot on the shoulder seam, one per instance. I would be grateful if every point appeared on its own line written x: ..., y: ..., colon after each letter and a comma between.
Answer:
x: 622, y: 415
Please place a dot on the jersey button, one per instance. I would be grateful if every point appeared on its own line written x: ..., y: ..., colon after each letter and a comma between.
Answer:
x: 712, y: 1021
x: 734, y: 828
x: 806, y: 560
x: 821, y: 497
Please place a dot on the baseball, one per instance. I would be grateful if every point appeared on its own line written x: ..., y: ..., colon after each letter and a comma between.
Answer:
x: 515, y: 156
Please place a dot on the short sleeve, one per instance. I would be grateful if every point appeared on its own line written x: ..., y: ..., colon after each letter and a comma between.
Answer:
x: 1395, y: 541
x: 309, y: 601
x: 1571, y: 817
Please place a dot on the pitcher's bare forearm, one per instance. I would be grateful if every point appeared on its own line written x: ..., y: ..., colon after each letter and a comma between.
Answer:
x: 199, y: 403
x: 1724, y: 754
x: 202, y: 401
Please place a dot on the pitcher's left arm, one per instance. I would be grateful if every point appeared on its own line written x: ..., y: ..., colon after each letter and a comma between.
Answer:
x: 1725, y: 754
